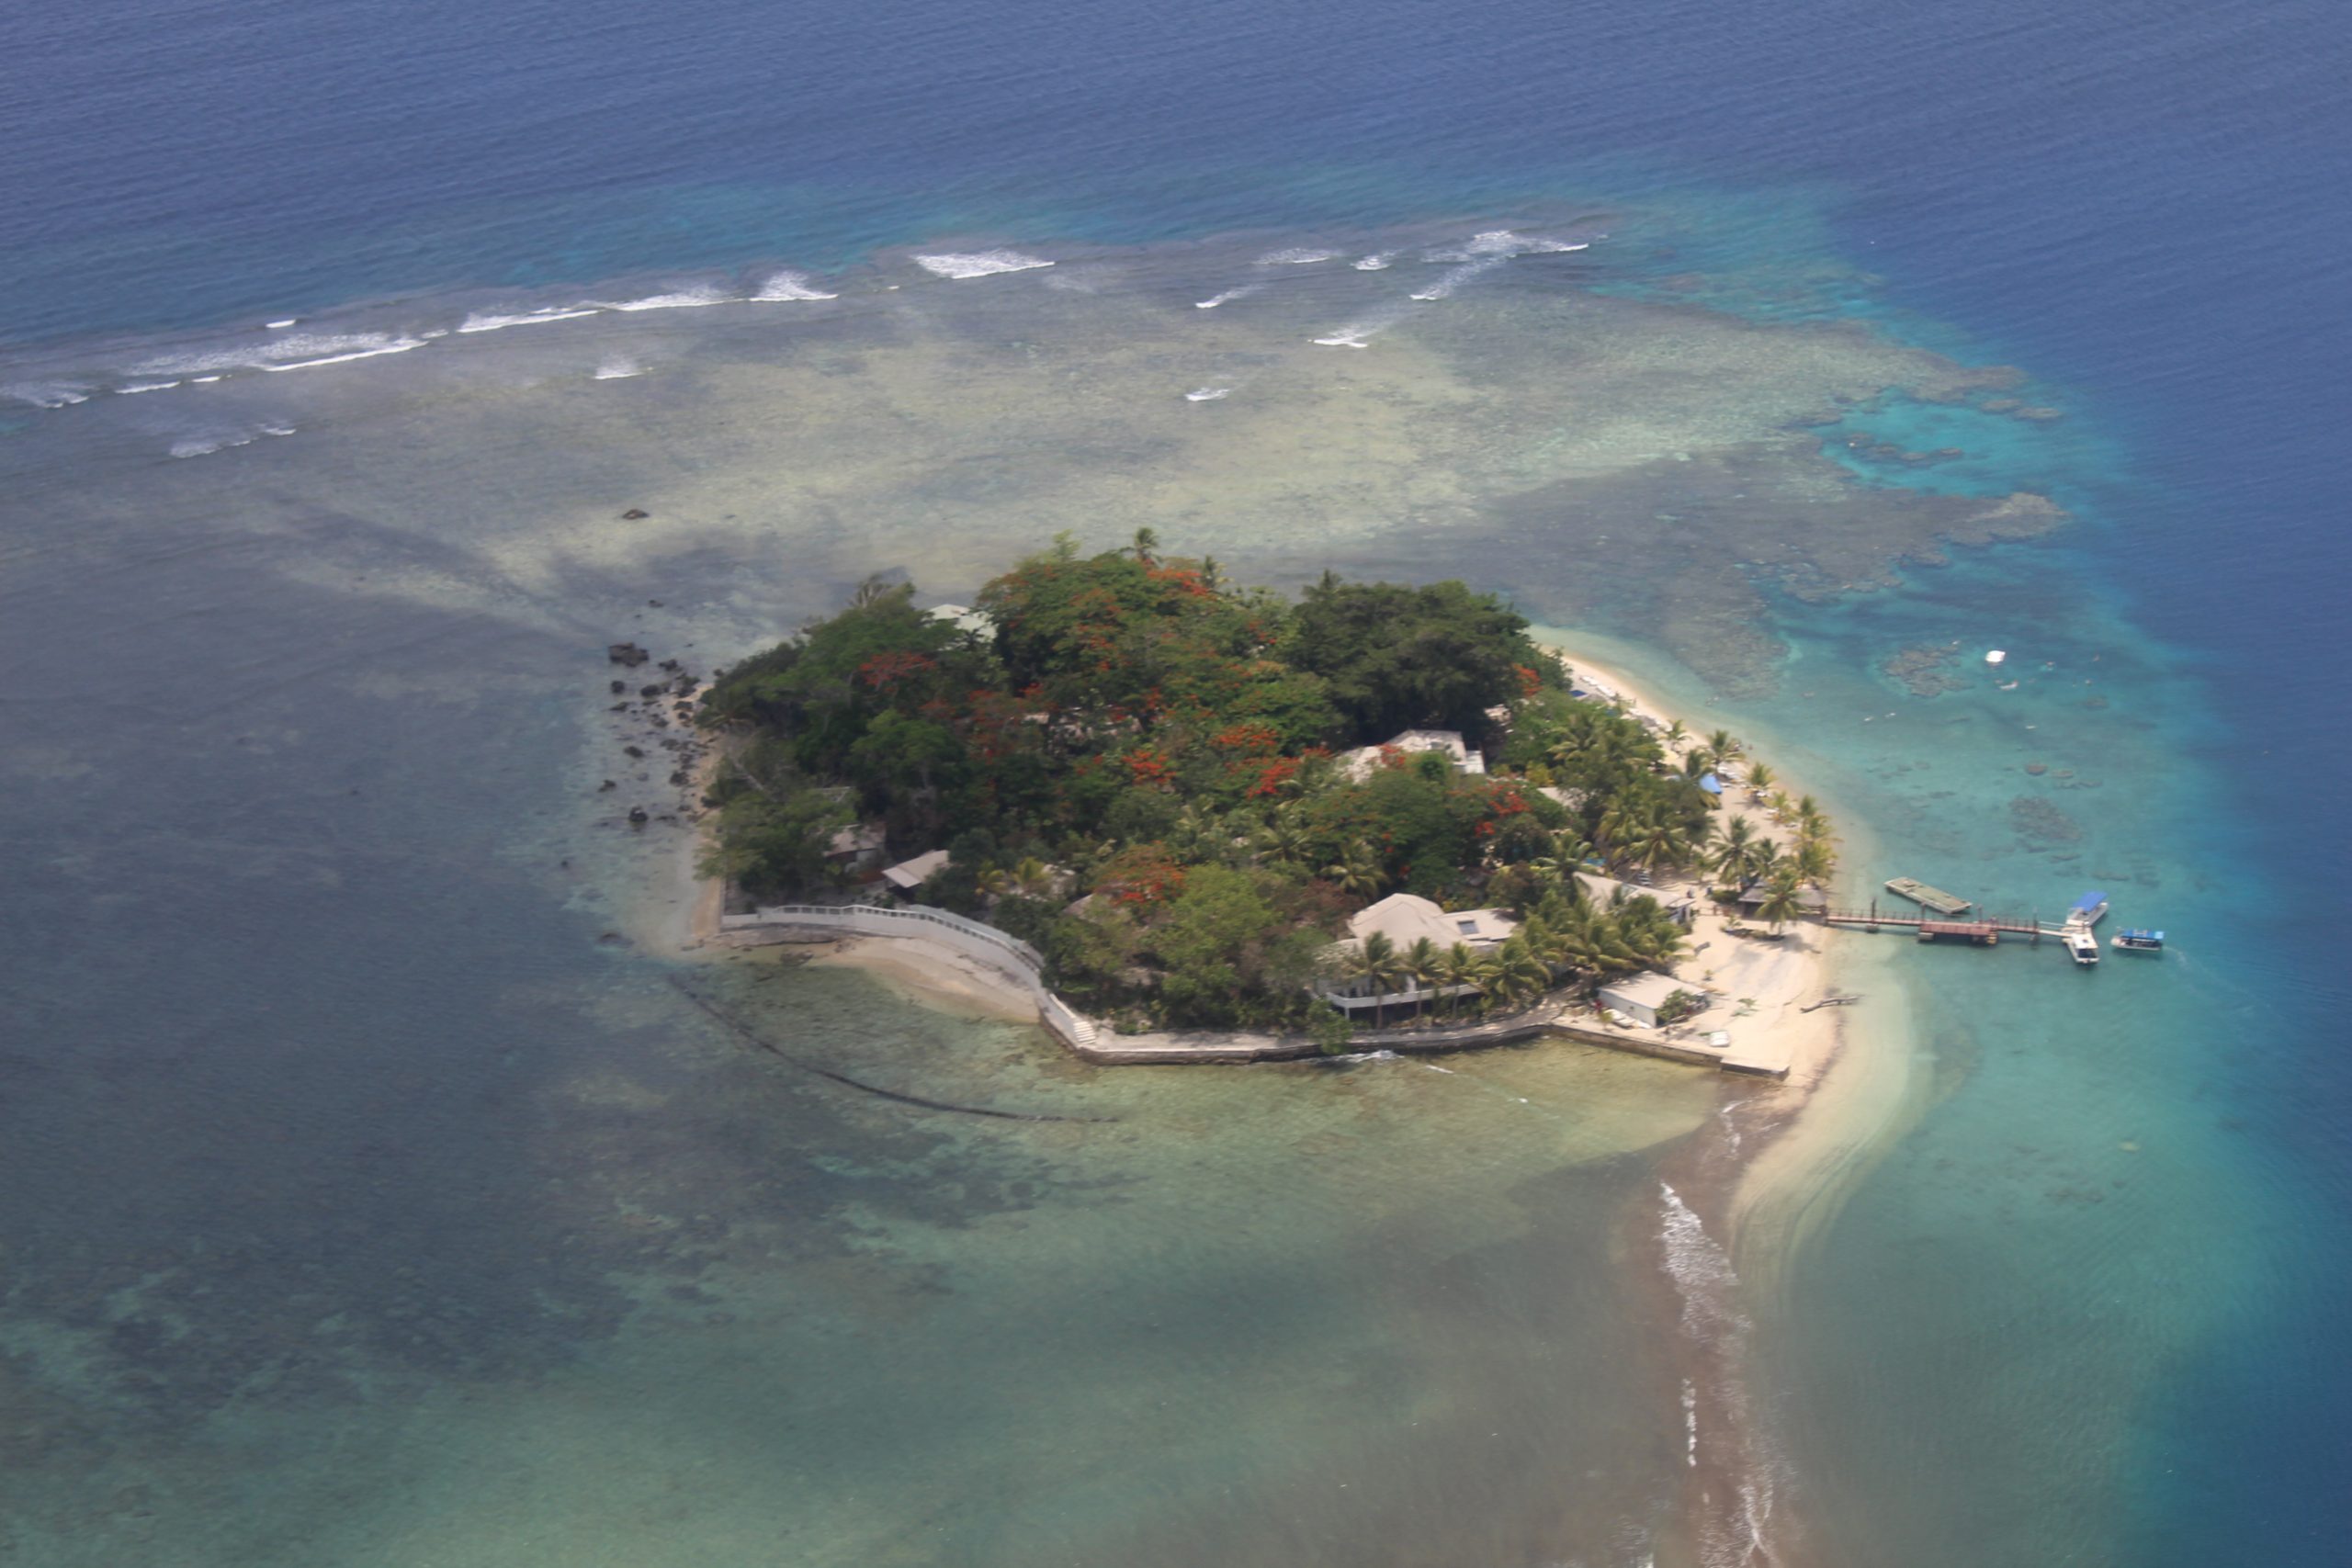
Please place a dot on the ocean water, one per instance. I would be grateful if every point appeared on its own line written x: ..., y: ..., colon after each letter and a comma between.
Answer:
x: 376, y: 1192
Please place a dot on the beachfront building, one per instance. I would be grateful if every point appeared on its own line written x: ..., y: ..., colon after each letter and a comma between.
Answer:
x: 1360, y: 762
x: 910, y: 875
x: 1405, y: 918
x: 1638, y: 996
x: 858, y: 847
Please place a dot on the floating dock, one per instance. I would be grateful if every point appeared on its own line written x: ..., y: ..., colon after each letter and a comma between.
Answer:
x: 1927, y: 897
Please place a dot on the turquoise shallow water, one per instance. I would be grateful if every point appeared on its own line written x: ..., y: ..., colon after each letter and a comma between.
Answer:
x: 365, y: 1205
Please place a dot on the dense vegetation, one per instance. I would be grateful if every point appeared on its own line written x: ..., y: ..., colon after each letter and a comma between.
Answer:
x: 1140, y: 768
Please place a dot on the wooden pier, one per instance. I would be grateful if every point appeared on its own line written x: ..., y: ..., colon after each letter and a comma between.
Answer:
x: 1985, y: 931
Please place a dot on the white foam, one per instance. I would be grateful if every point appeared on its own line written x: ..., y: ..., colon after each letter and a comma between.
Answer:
x: 980, y: 263
x: 202, y: 380
x: 280, y: 326
x: 684, y: 300
x: 278, y: 430
x: 1213, y: 300
x: 1373, y: 263
x: 1206, y: 394
x: 137, y: 387
x: 310, y: 348
x: 490, y: 322
x: 46, y: 394
x: 1297, y: 256
x: 1348, y: 337
x: 202, y: 446
x: 396, y: 345
x: 784, y: 286
x: 618, y: 369
x: 1702, y: 1271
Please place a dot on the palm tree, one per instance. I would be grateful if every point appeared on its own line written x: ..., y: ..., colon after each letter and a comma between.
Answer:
x: 1761, y: 776
x: 1780, y: 903
x: 1282, y: 843
x: 1519, y: 976
x: 1378, y: 963
x: 1674, y: 735
x: 1777, y: 803
x: 1359, y: 872
x: 1423, y: 962
x: 995, y: 882
x: 1031, y: 878
x: 1816, y: 859
x: 1457, y: 967
x: 1732, y: 837
x: 1655, y: 845
x: 1723, y: 743
x: 1763, y: 860
x: 1811, y: 817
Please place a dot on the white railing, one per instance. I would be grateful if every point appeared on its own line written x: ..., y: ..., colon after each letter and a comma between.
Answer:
x: 876, y: 920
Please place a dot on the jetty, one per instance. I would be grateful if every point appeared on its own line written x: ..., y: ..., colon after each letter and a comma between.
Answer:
x: 1927, y: 897
x: 1985, y: 931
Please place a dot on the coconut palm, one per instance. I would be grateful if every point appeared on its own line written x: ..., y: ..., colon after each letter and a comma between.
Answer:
x: 1763, y: 860
x: 1777, y: 803
x: 1457, y: 967
x: 1031, y: 878
x: 1423, y: 963
x: 1780, y: 905
x: 1723, y: 743
x: 1655, y: 844
x: 1282, y: 843
x: 1734, y: 835
x: 995, y: 882
x: 1518, y: 975
x: 1358, y: 871
x: 1380, y: 965
x: 1816, y: 859
x: 1674, y: 735
x: 1761, y: 776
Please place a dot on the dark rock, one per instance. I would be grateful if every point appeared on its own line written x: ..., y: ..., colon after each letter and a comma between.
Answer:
x: 678, y: 777
x: 626, y: 653
x: 637, y: 818
x: 606, y: 786
x: 648, y: 691
x: 669, y: 665
x: 633, y: 751
x: 654, y: 603
x: 619, y: 687
x: 635, y: 514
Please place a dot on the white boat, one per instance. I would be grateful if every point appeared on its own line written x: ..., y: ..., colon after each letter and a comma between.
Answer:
x: 2081, y: 947
x: 2137, y: 940
x: 2088, y: 911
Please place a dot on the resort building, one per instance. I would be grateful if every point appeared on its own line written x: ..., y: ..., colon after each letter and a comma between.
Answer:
x: 1638, y: 996
x: 1360, y: 762
x: 859, y: 847
x: 1405, y: 918
x: 910, y: 875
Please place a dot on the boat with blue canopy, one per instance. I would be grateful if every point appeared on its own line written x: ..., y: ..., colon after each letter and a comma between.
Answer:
x: 2137, y: 940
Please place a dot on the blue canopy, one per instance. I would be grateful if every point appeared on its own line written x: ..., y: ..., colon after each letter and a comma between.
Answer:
x: 1712, y: 785
x: 2090, y: 900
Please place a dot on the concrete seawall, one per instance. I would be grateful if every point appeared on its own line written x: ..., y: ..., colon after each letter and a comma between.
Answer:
x: 1021, y: 966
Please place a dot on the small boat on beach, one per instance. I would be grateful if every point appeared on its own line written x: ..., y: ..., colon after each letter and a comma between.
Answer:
x: 2081, y: 947
x: 2137, y: 940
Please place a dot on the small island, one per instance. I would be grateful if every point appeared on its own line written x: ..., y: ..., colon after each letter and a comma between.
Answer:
x: 1190, y: 805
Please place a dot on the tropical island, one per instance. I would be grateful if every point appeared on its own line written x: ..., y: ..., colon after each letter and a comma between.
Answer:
x: 1204, y: 805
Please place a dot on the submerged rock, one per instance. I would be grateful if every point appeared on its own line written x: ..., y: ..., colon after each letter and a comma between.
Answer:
x: 626, y: 653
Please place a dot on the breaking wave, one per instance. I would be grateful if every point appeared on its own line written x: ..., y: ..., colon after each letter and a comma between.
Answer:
x: 784, y: 286
x: 980, y: 263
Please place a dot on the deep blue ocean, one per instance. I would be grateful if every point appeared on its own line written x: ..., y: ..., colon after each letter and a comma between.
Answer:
x: 2141, y: 204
